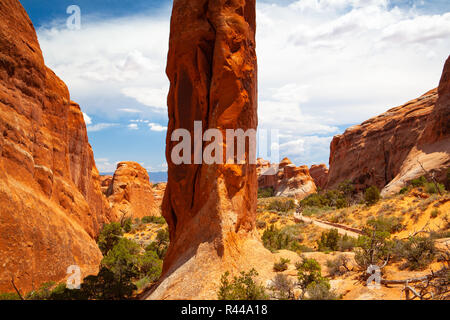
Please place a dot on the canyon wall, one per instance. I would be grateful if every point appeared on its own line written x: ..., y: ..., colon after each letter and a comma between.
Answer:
x: 388, y: 150
x: 210, y: 209
x: 319, y: 173
x: 51, y: 205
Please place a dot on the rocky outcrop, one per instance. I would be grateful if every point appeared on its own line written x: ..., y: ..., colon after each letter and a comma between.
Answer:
x: 319, y: 173
x: 286, y: 179
x: 130, y: 193
x: 388, y: 150
x: 210, y: 209
x: 51, y: 203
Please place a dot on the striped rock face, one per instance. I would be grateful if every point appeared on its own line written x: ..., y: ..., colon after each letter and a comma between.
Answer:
x: 51, y: 205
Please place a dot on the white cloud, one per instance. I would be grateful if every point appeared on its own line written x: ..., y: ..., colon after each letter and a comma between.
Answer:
x: 101, y: 126
x: 156, y: 127
x: 327, y: 64
x: 133, y: 126
x: 151, y: 97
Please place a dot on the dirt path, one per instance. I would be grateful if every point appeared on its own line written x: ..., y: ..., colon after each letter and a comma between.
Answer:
x: 342, y: 230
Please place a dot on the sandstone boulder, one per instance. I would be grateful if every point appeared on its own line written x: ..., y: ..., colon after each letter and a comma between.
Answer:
x: 130, y: 193
x: 286, y: 179
x: 51, y: 203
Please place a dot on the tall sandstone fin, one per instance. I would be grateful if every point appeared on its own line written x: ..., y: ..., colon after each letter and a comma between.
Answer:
x: 51, y: 202
x: 210, y: 209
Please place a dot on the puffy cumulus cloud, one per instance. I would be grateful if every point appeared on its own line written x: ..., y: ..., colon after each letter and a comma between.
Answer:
x: 328, y: 64
x: 112, y: 66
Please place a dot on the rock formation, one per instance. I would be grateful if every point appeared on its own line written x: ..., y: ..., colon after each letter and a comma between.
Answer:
x: 51, y: 203
x: 387, y: 150
x: 319, y: 173
x: 210, y: 209
x: 286, y: 179
x: 130, y: 193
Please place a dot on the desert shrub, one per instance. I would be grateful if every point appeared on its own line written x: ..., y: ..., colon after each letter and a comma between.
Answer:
x: 338, y: 198
x: 9, y: 296
x: 346, y: 243
x: 281, y: 206
x: 265, y: 192
x: 328, y: 240
x: 281, y: 265
x: 150, y: 266
x: 287, y: 238
x: 127, y: 225
x: 332, y: 241
x: 161, y: 244
x: 435, y: 213
x: 418, y: 252
x: 243, y: 287
x: 109, y: 236
x: 373, y: 247
x: 311, y: 281
x: 419, y: 182
x: 431, y: 188
x: 282, y: 287
x: 153, y: 219
x: 391, y: 224
x: 303, y: 248
x: 321, y: 291
x: 372, y: 195
x: 338, y: 266
x: 123, y: 258
x: 404, y: 190
x: 108, y: 285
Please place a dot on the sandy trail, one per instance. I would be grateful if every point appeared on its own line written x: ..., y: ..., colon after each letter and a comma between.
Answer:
x: 342, y: 230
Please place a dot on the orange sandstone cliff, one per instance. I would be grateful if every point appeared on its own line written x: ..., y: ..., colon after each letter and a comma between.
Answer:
x: 388, y: 150
x: 210, y: 209
x: 130, y: 193
x: 51, y: 203
x: 286, y: 179
x: 319, y: 173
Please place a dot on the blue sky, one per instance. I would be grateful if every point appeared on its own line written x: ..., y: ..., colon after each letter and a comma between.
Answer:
x: 323, y: 65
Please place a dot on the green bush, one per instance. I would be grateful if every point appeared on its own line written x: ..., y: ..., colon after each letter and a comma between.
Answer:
x: 431, y: 188
x: 287, y: 238
x: 9, y: 296
x: 161, y: 244
x: 311, y: 281
x: 109, y: 236
x: 329, y: 241
x: 340, y: 198
x: 283, y: 287
x: 372, y: 195
x: 243, y: 287
x: 419, y: 252
x: 123, y: 258
x: 154, y: 219
x: 419, y: 182
x: 282, y: 265
x: 150, y: 266
x: 332, y: 241
x: 338, y: 266
x: 373, y: 247
x: 265, y: 192
x: 281, y: 206
x: 404, y: 190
